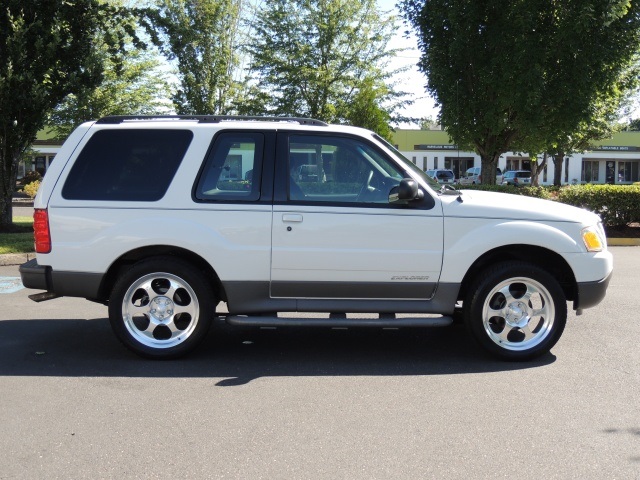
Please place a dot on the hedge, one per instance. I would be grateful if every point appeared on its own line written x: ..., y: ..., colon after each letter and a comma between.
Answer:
x: 617, y: 205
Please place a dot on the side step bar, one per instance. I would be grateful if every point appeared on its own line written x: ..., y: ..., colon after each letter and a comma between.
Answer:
x: 274, y: 321
x: 43, y: 297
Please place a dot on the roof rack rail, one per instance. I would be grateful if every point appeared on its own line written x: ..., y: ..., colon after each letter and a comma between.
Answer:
x: 114, y: 119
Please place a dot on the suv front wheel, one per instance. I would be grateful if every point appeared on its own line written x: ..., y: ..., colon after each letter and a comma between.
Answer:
x: 516, y: 311
x: 161, y: 307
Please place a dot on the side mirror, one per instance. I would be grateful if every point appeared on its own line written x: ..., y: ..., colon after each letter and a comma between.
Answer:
x: 406, y: 191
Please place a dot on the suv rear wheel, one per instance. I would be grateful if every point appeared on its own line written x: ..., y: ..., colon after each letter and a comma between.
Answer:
x: 161, y: 307
x: 516, y: 311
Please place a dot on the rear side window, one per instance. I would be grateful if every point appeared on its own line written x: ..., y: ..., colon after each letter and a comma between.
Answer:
x: 127, y: 165
x: 232, y: 171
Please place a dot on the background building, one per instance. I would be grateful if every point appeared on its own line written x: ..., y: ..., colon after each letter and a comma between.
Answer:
x: 615, y: 160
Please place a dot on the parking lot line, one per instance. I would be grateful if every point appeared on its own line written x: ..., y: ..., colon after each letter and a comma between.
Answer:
x: 10, y: 284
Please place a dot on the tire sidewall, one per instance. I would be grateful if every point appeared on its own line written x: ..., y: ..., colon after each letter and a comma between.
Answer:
x: 191, y: 276
x: 487, y: 281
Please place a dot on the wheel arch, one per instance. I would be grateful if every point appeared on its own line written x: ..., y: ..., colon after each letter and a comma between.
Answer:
x: 133, y: 256
x: 547, y: 259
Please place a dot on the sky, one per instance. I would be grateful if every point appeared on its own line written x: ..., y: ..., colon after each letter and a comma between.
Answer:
x: 411, y: 81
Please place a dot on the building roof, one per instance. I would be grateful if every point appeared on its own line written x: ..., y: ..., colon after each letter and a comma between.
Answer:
x: 416, y: 140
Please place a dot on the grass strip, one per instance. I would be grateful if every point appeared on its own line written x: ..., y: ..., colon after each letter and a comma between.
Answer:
x: 18, y: 242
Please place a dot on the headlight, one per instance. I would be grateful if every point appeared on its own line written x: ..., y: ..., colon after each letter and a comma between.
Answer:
x: 594, y: 238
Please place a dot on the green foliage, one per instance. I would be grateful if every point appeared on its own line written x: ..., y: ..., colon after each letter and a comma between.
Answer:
x: 542, y: 75
x: 634, y: 125
x: 365, y: 110
x: 235, y: 185
x: 16, y: 243
x: 20, y: 236
x: 31, y: 188
x: 134, y: 85
x: 617, y: 205
x: 202, y: 38
x: 47, y: 52
x: 31, y: 176
x: 325, y: 60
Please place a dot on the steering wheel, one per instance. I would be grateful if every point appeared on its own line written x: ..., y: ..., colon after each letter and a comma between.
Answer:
x: 365, y: 187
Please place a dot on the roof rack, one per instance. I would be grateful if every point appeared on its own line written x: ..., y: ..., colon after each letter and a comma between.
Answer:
x: 114, y: 119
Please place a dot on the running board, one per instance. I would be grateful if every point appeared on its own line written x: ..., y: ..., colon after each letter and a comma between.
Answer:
x: 259, y: 321
x: 43, y: 297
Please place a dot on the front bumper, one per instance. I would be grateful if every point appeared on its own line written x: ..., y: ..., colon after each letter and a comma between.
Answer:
x: 589, y: 294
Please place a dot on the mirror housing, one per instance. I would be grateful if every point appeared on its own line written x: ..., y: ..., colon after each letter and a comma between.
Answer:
x: 406, y: 191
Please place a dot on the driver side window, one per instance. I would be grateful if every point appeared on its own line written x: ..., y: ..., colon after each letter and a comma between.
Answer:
x: 338, y: 170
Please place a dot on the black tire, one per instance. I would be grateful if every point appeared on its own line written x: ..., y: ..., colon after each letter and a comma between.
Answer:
x: 516, y: 311
x: 162, y: 307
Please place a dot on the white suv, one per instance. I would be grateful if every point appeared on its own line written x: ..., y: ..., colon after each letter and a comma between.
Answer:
x: 442, y: 176
x: 163, y: 218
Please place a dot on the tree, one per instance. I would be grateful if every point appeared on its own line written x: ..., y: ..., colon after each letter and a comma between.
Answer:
x: 521, y: 75
x: 428, y: 123
x: 634, y: 125
x: 46, y: 52
x: 365, y: 110
x: 201, y: 36
x: 325, y: 59
x: 134, y: 86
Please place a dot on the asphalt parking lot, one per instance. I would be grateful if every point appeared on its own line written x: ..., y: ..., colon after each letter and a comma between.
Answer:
x: 318, y: 403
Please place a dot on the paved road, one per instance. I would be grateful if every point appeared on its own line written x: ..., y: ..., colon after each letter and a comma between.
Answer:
x: 318, y: 403
x: 23, y: 211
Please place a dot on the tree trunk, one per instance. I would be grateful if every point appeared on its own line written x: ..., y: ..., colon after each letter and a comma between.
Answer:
x: 536, y: 169
x: 489, y: 165
x: 9, y: 176
x: 534, y: 173
x: 558, y: 158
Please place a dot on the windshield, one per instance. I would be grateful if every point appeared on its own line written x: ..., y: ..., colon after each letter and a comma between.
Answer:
x: 408, y: 163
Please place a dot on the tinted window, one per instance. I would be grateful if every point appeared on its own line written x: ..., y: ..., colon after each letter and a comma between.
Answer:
x: 232, y: 170
x: 128, y: 165
x: 339, y: 170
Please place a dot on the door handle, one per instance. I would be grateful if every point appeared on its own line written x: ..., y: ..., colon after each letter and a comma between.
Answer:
x: 292, y: 218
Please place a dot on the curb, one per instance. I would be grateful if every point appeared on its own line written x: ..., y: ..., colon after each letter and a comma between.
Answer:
x: 15, y: 258
x: 623, y: 242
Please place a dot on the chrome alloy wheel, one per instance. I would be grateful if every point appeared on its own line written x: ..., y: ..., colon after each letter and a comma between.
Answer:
x: 518, y: 314
x: 160, y: 310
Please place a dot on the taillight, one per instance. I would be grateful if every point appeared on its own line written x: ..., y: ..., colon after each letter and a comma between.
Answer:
x: 41, y: 233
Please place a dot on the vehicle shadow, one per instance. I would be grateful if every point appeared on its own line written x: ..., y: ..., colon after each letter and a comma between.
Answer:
x: 237, y: 356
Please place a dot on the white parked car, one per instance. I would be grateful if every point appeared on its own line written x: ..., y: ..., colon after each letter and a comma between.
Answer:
x: 473, y: 176
x: 160, y: 220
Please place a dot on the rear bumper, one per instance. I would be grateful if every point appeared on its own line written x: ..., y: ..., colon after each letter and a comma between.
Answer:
x: 68, y: 284
x: 589, y: 294
x: 35, y: 276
